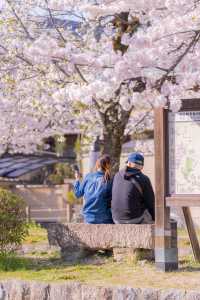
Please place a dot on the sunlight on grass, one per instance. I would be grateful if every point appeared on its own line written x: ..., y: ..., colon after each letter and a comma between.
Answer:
x: 98, y: 270
x: 37, y: 234
x: 108, y: 273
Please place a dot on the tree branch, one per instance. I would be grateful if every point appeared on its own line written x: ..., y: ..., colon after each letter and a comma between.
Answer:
x: 178, y: 61
x: 60, y: 69
x: 19, y: 56
x: 143, y: 118
x: 24, y: 60
x: 80, y: 74
x: 140, y: 121
x: 175, y: 33
x: 53, y: 22
x: 20, y: 21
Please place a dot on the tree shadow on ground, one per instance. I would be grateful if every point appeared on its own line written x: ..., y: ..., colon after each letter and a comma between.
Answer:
x: 9, y: 263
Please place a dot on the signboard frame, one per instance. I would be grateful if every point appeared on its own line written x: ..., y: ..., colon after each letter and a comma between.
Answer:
x: 166, y: 252
x: 181, y: 200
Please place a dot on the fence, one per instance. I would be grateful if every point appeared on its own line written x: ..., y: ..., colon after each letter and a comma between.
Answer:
x: 46, y: 203
x: 42, y: 215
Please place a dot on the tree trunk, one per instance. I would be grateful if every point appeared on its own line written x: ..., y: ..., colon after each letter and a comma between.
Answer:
x: 113, y: 134
x: 113, y: 141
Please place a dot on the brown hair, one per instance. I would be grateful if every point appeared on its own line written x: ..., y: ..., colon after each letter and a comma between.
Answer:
x: 104, y: 163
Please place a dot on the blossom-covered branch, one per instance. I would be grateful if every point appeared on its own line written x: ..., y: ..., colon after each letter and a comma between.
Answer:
x: 101, y: 63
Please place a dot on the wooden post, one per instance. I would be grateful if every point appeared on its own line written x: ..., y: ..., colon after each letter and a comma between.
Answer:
x: 68, y: 212
x: 192, y: 233
x: 28, y: 213
x: 166, y: 252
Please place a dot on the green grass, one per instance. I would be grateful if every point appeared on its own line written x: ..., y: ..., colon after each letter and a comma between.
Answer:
x: 182, y: 232
x: 183, y: 238
x: 108, y: 273
x: 36, y: 234
x: 99, y: 270
x: 12, y: 263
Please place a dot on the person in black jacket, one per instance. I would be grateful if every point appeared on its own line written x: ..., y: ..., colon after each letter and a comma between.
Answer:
x: 133, y: 198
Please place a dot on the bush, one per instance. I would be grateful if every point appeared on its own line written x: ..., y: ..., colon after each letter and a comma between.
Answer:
x: 13, y: 226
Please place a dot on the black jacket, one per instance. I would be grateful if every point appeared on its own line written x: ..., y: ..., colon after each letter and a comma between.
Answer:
x: 127, y: 201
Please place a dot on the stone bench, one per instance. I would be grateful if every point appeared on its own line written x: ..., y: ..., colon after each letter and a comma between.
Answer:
x: 76, y: 240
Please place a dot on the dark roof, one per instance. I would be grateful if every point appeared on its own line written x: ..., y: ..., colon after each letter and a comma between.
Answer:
x: 19, y: 165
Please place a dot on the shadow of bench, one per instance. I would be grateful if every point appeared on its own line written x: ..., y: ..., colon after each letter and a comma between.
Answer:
x: 78, y: 240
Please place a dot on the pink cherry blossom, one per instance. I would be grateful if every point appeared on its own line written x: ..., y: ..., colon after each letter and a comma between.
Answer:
x: 50, y: 72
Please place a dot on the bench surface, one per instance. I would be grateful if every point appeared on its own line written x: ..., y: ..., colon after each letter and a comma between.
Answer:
x: 101, y: 236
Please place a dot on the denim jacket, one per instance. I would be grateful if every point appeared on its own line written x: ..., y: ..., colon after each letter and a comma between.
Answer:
x: 97, y: 198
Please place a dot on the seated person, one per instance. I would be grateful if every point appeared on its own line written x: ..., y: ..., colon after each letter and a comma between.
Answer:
x: 133, y: 198
x: 96, y: 188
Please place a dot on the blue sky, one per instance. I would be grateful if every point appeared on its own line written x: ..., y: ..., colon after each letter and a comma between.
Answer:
x: 41, y: 12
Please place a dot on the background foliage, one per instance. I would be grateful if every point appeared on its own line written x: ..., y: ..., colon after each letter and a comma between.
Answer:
x: 13, y: 226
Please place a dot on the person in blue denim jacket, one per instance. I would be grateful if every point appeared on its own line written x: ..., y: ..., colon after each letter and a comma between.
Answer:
x: 96, y: 188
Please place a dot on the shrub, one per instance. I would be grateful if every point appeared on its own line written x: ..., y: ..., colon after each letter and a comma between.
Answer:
x: 13, y: 226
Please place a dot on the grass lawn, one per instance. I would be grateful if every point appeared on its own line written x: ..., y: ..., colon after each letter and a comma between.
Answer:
x: 37, y: 234
x: 98, y: 270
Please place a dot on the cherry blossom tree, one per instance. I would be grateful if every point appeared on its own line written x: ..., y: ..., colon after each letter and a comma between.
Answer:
x: 124, y: 57
x: 29, y: 113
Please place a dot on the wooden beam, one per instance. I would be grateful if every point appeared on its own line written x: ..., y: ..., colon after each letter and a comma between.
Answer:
x: 183, y: 201
x: 192, y: 233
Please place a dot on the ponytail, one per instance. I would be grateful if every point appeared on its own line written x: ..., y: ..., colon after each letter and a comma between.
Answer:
x: 104, y: 163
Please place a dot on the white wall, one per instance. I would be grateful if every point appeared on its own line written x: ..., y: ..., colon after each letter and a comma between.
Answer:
x: 148, y: 165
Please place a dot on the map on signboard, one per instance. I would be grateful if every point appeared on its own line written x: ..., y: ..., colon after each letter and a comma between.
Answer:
x: 184, y: 152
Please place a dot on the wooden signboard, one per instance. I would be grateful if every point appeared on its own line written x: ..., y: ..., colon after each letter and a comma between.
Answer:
x: 177, y: 165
